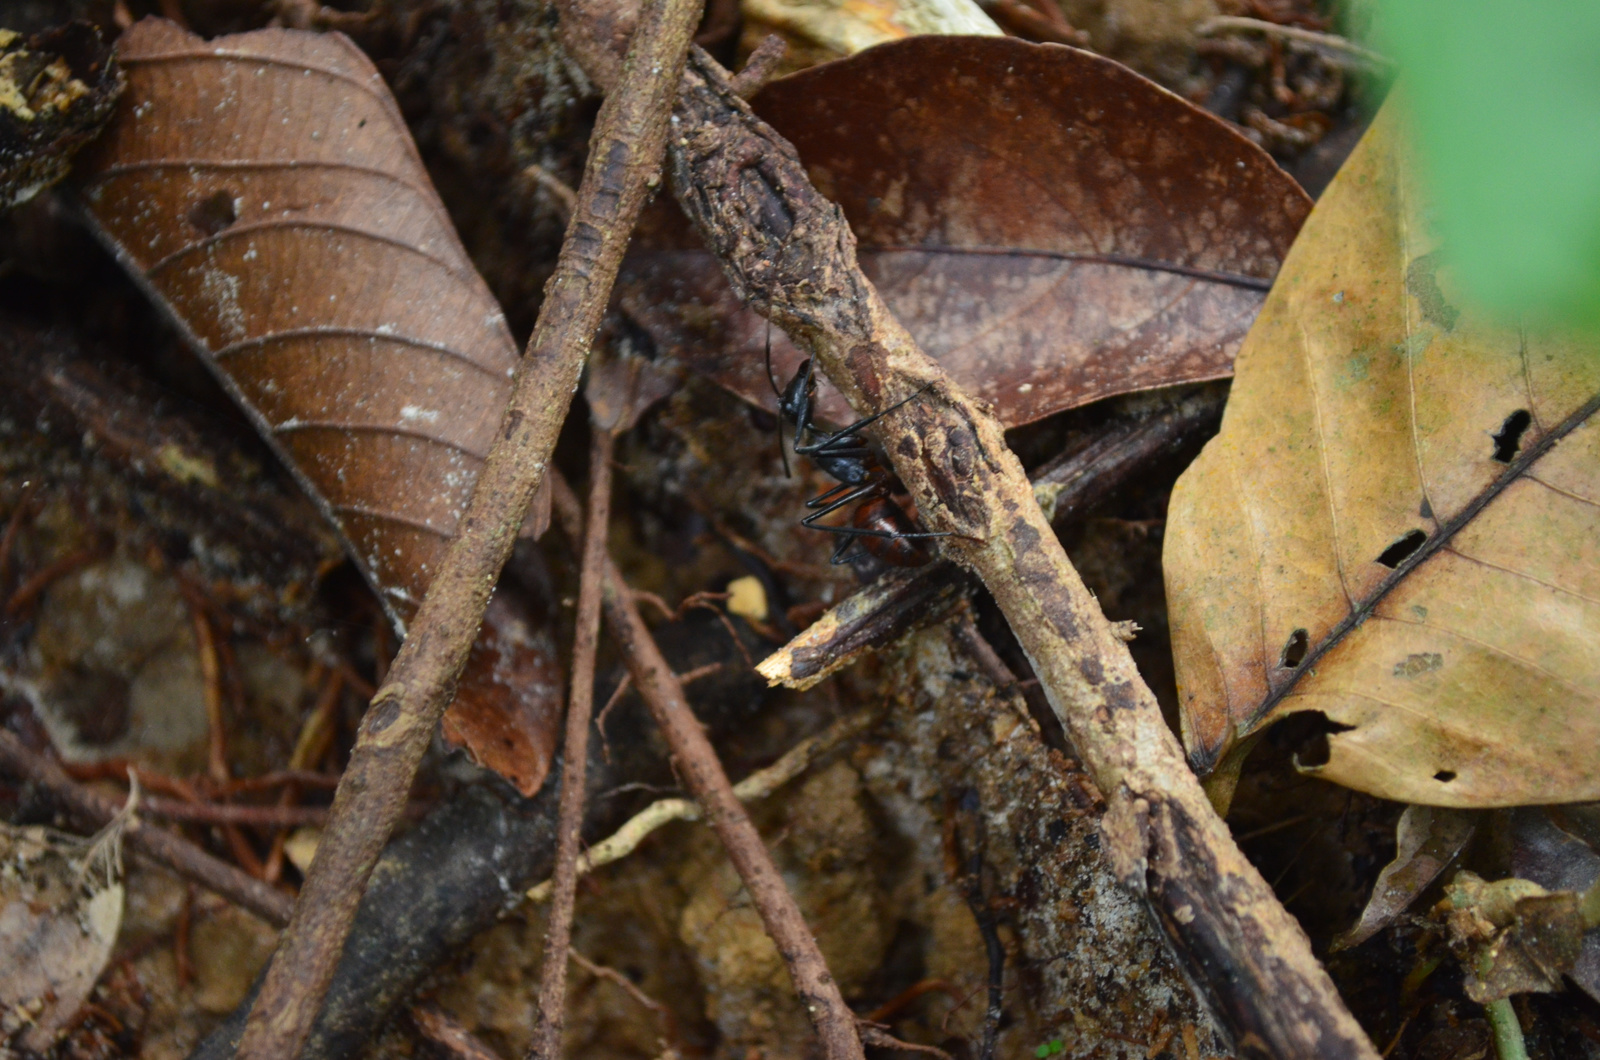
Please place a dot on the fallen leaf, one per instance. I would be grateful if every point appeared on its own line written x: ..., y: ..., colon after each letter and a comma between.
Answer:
x: 1399, y: 525
x: 1544, y: 851
x: 1427, y: 840
x: 61, y: 901
x: 1515, y: 936
x: 265, y: 190
x: 1049, y: 225
x: 56, y: 91
x: 818, y: 30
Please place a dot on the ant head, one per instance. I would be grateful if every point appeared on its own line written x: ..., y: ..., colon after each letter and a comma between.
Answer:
x: 794, y: 404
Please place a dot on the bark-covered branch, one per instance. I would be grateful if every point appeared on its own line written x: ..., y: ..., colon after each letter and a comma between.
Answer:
x: 790, y: 254
x: 624, y: 158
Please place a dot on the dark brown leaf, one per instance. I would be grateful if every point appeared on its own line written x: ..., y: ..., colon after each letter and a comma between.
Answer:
x: 1554, y: 847
x: 1049, y: 225
x: 1427, y: 841
x: 267, y: 192
x: 56, y: 90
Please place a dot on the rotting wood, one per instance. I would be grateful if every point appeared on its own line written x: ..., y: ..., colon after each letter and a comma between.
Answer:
x: 624, y: 157
x: 790, y: 255
x: 701, y: 771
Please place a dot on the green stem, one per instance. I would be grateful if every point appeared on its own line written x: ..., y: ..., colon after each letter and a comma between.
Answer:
x: 1508, y: 1043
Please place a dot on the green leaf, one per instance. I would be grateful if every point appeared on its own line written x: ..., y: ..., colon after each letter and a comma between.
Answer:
x: 1504, y: 97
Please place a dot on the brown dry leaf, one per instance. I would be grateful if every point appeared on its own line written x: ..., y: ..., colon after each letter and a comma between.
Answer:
x: 1427, y: 840
x: 266, y: 191
x: 1049, y: 225
x: 1399, y: 525
x: 621, y: 384
x: 1515, y: 937
x: 1553, y: 847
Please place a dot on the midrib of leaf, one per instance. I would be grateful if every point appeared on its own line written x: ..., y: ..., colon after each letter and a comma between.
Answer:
x: 1447, y: 530
x: 1130, y: 261
x: 1126, y: 261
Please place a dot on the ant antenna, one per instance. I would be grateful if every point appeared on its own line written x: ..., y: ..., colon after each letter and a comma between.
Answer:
x: 772, y: 381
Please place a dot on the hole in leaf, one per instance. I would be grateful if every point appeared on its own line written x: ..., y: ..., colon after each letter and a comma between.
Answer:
x: 1294, y: 650
x: 215, y: 212
x: 1402, y: 549
x: 1509, y: 438
x: 1445, y: 776
x: 1305, y: 736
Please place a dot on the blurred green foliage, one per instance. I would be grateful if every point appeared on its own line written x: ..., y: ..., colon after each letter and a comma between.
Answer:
x: 1504, y: 97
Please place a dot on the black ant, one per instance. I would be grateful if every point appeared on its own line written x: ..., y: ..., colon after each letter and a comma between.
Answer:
x: 880, y: 525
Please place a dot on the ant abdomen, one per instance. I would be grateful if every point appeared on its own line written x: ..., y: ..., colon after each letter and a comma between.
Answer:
x: 892, y: 534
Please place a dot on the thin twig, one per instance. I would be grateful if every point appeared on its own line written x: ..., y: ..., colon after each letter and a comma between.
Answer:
x: 760, y: 65
x: 703, y: 775
x: 757, y: 785
x: 28, y: 592
x: 1326, y: 43
x: 895, y: 1004
x: 882, y: 1039
x: 624, y: 158
x: 559, y: 190
x: 669, y: 1022
x: 446, y: 1034
x: 551, y: 1016
x: 316, y: 735
x: 8, y: 540
x: 205, y: 639
x: 790, y: 255
x: 176, y: 853
x: 222, y: 813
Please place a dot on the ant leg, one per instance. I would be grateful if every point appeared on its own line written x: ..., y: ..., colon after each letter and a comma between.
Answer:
x: 772, y: 381
x: 827, y: 496
x: 834, y: 501
x: 841, y: 554
x: 831, y: 442
x: 853, y: 534
x: 888, y: 535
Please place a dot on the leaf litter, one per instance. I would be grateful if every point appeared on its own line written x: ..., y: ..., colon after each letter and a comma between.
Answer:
x: 1178, y: 1039
x: 1397, y: 527
x: 61, y: 901
x: 312, y: 263
x: 1050, y: 226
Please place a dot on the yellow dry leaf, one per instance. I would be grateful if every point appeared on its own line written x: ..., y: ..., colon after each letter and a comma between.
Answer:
x: 818, y: 30
x: 1399, y: 525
